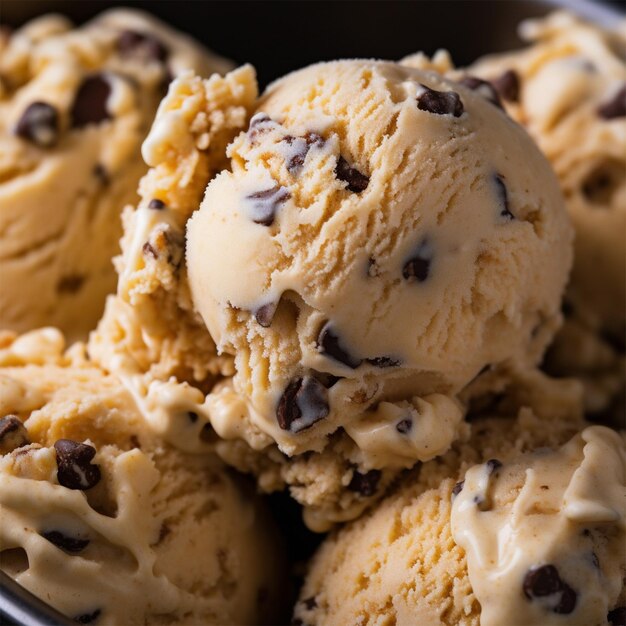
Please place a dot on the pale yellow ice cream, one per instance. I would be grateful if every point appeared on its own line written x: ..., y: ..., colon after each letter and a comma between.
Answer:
x: 569, y: 90
x: 75, y: 105
x: 533, y: 536
x: 384, y: 237
x: 103, y: 520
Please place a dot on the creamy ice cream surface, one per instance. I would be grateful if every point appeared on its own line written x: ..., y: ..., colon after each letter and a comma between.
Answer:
x: 384, y: 237
x: 107, y: 523
x: 524, y: 524
x: 75, y: 105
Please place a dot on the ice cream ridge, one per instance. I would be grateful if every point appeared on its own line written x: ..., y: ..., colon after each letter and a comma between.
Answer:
x: 106, y: 522
x: 75, y: 105
x: 523, y: 524
x: 375, y: 243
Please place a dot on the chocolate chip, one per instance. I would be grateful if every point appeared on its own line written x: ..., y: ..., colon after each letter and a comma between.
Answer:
x: 303, y: 145
x: 13, y: 434
x: 365, y: 484
x: 39, y: 124
x: 328, y: 343
x: 88, y: 618
x: 147, y: 46
x: 148, y: 250
x: 90, y: 102
x: 507, y: 85
x: 404, y: 426
x: 384, y: 361
x: 303, y: 403
x: 617, y: 617
x: 265, y: 314
x: 440, y: 102
x: 264, y: 204
x: 70, y: 283
x: 503, y: 197
x: 357, y: 182
x: 156, y: 204
x: 456, y: 490
x: 75, y: 470
x: 310, y: 603
x: 545, y: 581
x: 483, y: 87
x: 418, y: 266
x: 615, y: 107
x: 493, y: 465
x: 69, y: 544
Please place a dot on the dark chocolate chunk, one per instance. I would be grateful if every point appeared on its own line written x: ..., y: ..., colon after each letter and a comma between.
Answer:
x: 615, y: 107
x: 417, y: 268
x: 304, y: 145
x: 617, y: 617
x: 546, y: 581
x: 90, y: 102
x: 507, y: 85
x: 483, y: 87
x: 328, y: 343
x: 264, y: 204
x: 88, y: 618
x: 440, y: 102
x: 456, y: 490
x: 404, y: 426
x: 70, y: 283
x: 303, y: 403
x: 156, y: 204
x: 145, y: 45
x: 13, y: 434
x: 365, y: 484
x: 69, y: 544
x: 503, y: 197
x: 357, y: 182
x: 493, y: 465
x: 149, y: 250
x: 39, y: 124
x: 74, y: 467
x: 265, y: 314
x: 384, y: 361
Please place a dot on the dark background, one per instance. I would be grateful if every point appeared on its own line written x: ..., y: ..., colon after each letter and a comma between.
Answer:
x: 281, y: 36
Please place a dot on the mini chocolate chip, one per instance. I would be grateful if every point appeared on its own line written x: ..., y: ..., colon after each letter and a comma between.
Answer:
x: 75, y: 470
x: 303, y: 403
x: 88, y: 618
x: 365, y: 484
x: 545, y: 581
x: 264, y: 204
x: 308, y: 140
x: 156, y: 204
x: 328, y: 343
x: 90, y: 102
x: 357, y: 182
x: 418, y: 266
x: 310, y: 603
x: 493, y: 465
x: 617, y: 617
x: 440, y: 102
x: 131, y: 42
x: 148, y: 250
x: 384, y: 361
x: 507, y: 85
x: 100, y: 172
x: 404, y: 426
x: 13, y: 434
x: 456, y: 490
x: 483, y: 87
x: 192, y: 416
x: 265, y: 314
x: 70, y: 284
x: 615, y: 107
x: 503, y: 197
x: 39, y: 124
x: 69, y: 544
